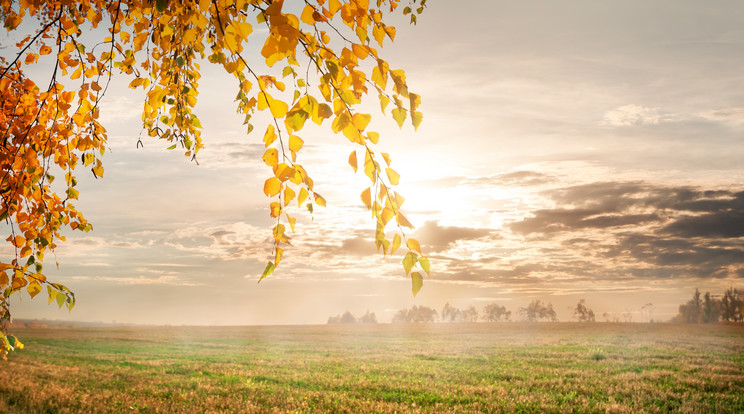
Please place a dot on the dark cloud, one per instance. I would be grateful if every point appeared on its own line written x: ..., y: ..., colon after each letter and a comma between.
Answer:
x: 436, y: 238
x: 643, y: 230
x: 719, y: 224
x: 556, y: 220
x: 617, y: 204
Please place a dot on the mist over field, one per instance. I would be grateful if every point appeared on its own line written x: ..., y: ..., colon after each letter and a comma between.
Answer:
x: 575, y: 195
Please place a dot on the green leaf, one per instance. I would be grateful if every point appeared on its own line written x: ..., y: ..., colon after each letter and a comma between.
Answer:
x: 267, y: 271
x: 61, y: 299
x: 160, y: 6
x: 409, y: 261
x: 417, y: 281
x: 296, y: 119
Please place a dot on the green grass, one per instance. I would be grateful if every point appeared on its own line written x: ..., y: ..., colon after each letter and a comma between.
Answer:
x: 509, y: 367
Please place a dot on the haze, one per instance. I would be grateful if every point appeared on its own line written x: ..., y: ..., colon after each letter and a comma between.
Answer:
x: 569, y: 150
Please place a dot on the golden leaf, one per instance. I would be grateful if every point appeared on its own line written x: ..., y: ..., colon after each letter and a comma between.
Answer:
x: 353, y: 160
x: 272, y: 186
x: 393, y: 176
x: 413, y: 244
x: 367, y: 198
x: 295, y: 143
x: 271, y: 157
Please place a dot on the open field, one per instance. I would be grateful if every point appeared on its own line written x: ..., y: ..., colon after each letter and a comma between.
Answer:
x: 509, y: 367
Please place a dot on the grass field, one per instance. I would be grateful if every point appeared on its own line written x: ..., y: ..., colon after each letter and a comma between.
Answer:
x: 509, y: 367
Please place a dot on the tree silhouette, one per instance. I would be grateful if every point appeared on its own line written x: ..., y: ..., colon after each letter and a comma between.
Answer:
x: 537, y: 310
x: 582, y: 313
x: 494, y: 313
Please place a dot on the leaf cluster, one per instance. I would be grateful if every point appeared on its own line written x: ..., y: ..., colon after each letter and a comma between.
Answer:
x: 318, y: 60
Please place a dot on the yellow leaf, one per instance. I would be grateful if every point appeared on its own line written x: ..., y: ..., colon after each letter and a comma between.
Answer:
x: 324, y: 112
x: 396, y: 243
x: 415, y: 101
x: 340, y: 122
x: 291, y: 221
x: 97, y: 170
x: 373, y: 137
x: 397, y: 200
x: 289, y: 195
x: 307, y: 15
x: 33, y: 288
x: 367, y: 198
x: 409, y: 261
x: 333, y: 6
x: 272, y: 186
x: 276, y: 210
x: 301, y: 198
x: 319, y: 200
x: 399, y: 114
x: 353, y: 160
x: 384, y: 102
x: 393, y: 176
x: 403, y: 221
x: 413, y: 244
x: 386, y: 157
x: 271, y: 157
x: 424, y: 262
x: 416, y: 118
x: 278, y: 255
x: 295, y: 143
x: 417, y: 281
x: 283, y: 172
x: 269, y: 136
x: 399, y: 79
x: 386, y: 215
x: 360, y: 51
x: 278, y: 108
x: 361, y: 121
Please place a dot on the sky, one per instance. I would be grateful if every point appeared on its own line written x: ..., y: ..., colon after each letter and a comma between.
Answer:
x: 569, y: 150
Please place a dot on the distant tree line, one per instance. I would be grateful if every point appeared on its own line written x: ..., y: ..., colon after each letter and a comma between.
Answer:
x: 493, y: 312
x: 347, y: 317
x: 536, y: 311
x: 709, y: 308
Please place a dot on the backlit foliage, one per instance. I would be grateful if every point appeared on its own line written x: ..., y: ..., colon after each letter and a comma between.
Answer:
x: 318, y: 60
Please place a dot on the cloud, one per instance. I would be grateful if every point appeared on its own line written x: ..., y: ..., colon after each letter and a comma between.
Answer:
x: 515, y: 178
x: 639, y: 229
x: 556, y: 220
x: 629, y: 115
x: 727, y: 224
x: 436, y: 238
x: 733, y: 115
